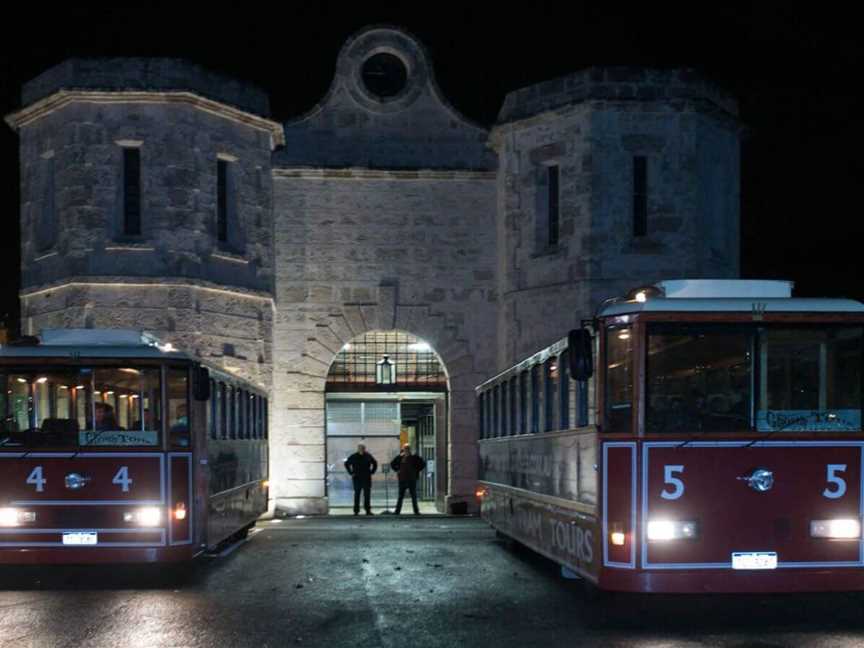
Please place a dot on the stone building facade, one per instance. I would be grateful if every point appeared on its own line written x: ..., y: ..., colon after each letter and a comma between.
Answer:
x: 381, y: 209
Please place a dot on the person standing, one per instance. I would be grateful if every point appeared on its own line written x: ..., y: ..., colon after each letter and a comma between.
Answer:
x: 361, y: 466
x: 407, y: 466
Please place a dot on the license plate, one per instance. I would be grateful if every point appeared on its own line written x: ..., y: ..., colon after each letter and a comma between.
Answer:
x: 754, y: 560
x: 80, y: 538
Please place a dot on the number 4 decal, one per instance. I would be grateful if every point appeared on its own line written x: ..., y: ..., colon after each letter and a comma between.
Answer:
x: 839, y: 482
x: 36, y: 479
x: 122, y: 479
x: 677, y: 484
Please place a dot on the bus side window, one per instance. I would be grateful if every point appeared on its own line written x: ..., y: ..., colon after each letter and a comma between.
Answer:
x: 178, y: 407
x: 212, y: 411
x: 266, y: 419
x: 564, y: 391
x: 536, y: 397
x: 550, y: 389
x: 223, y: 411
x: 480, y: 401
x: 512, y: 387
x: 619, y: 380
x: 523, y: 403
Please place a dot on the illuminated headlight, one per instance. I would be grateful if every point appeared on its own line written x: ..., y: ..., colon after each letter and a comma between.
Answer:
x: 845, y: 529
x: 146, y: 517
x: 660, y: 530
x: 10, y: 517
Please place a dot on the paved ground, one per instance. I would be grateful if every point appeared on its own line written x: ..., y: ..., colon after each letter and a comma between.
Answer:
x: 406, y: 583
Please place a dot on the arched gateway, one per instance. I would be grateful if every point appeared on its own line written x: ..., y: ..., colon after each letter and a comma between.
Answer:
x: 385, y: 389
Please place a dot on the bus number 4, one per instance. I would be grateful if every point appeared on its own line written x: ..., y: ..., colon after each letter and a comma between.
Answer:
x: 36, y: 479
x: 677, y: 484
x: 839, y: 482
x: 122, y: 479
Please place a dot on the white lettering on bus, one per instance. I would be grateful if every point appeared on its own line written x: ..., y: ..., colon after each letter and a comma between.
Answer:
x: 573, y: 540
x: 36, y: 479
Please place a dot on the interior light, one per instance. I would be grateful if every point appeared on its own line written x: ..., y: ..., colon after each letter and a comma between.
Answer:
x: 62, y: 386
x: 481, y: 492
x: 42, y: 380
x: 618, y: 538
x: 180, y: 511
x: 624, y: 335
x: 21, y: 380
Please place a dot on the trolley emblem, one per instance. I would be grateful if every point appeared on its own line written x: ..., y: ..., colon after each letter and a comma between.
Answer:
x: 760, y: 480
x: 75, y: 481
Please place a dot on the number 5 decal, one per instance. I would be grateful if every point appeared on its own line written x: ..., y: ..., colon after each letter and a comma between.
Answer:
x: 840, y: 491
x: 677, y: 484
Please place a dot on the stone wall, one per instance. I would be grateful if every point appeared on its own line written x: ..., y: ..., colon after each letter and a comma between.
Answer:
x: 389, y: 252
x: 592, y: 125
x: 229, y: 328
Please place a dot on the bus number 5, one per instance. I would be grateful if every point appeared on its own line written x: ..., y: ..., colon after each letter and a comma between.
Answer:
x: 677, y: 484
x: 840, y: 491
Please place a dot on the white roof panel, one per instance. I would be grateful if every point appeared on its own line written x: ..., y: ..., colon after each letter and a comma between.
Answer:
x: 734, y: 305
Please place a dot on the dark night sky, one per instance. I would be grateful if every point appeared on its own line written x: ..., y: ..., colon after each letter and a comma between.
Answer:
x: 796, y: 75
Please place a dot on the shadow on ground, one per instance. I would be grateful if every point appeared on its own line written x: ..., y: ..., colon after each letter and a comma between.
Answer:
x: 664, y: 613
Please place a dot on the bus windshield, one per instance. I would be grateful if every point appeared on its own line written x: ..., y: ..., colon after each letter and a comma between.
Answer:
x: 727, y: 378
x: 79, y: 407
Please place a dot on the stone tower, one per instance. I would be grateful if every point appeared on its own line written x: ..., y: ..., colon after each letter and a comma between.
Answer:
x: 607, y: 179
x: 126, y: 166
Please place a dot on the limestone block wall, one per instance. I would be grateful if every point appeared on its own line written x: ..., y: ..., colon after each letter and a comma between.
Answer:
x: 230, y: 328
x: 385, y: 250
x: 82, y: 145
x: 592, y: 125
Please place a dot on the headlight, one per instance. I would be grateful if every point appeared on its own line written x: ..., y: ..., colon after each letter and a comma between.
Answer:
x: 146, y: 517
x: 849, y: 529
x: 10, y: 517
x: 660, y: 530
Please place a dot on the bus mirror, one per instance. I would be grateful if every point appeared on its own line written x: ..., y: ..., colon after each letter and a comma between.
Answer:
x: 201, y: 384
x: 580, y: 354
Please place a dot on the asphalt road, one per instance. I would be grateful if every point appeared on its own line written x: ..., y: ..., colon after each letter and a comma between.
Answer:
x: 393, y: 583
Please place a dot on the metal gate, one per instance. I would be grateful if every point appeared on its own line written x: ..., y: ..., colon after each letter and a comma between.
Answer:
x: 426, y: 449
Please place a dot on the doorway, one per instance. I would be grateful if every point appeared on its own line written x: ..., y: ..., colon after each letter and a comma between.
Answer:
x: 383, y: 423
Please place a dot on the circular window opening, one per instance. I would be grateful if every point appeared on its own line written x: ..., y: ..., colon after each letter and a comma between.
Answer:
x: 384, y: 75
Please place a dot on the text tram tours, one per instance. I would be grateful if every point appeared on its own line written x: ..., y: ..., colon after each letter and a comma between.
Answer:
x: 695, y: 436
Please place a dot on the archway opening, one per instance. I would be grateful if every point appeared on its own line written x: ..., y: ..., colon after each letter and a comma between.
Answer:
x: 386, y: 389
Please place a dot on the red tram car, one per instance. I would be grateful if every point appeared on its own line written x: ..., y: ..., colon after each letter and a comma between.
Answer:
x: 115, y: 448
x: 714, y: 446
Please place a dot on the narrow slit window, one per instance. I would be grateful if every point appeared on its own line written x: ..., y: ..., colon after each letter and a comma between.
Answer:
x: 46, y: 233
x: 553, y: 213
x: 640, y: 196
x: 132, y: 192
x: 222, y: 201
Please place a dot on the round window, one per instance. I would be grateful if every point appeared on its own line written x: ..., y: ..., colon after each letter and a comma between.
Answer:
x: 384, y: 75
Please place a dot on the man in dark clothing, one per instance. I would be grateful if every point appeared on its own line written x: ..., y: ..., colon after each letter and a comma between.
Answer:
x: 361, y: 466
x: 407, y: 466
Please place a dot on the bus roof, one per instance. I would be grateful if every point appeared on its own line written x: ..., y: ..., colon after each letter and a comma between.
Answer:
x: 734, y: 305
x: 94, y: 343
x: 723, y: 296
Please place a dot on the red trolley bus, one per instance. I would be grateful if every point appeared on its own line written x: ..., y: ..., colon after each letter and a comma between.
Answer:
x: 115, y: 448
x: 717, y: 447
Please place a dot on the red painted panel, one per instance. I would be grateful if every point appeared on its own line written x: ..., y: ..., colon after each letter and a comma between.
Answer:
x: 732, y: 516
x: 619, y: 502
x: 44, y: 478
x: 180, y: 494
